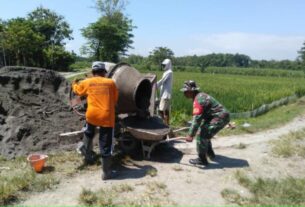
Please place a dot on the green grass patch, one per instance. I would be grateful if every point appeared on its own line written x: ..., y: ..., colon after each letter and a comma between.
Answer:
x: 152, y: 172
x: 291, y: 144
x: 150, y: 194
x: 80, y: 66
x: 268, y: 192
x: 17, y: 178
x: 273, y: 119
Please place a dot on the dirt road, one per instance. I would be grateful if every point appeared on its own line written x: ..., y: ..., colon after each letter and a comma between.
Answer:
x: 186, y: 184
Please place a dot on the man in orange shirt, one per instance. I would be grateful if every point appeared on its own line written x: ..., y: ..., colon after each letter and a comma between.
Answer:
x: 102, y: 96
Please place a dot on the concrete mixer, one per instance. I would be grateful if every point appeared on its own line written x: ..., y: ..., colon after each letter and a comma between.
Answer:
x: 137, y: 124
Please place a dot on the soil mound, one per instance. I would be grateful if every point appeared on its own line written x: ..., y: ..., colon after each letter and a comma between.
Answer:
x: 34, y: 110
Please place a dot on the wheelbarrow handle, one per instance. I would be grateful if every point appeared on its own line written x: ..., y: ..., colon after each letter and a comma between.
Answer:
x: 175, y: 138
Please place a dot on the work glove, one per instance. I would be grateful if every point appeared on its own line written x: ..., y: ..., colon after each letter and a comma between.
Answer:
x: 189, y: 139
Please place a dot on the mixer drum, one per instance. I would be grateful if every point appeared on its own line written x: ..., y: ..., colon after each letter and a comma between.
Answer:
x: 134, y: 89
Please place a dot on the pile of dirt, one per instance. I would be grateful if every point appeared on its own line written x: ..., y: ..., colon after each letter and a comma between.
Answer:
x: 34, y: 110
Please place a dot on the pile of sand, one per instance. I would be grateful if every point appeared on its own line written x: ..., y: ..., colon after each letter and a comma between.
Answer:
x: 34, y: 110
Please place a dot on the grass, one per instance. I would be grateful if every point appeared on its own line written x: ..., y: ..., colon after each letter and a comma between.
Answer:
x: 255, y: 71
x: 240, y: 146
x: 177, y: 168
x: 123, y: 188
x: 268, y: 192
x: 17, y: 178
x: 104, y: 197
x: 152, y: 172
x: 273, y: 119
x: 291, y: 144
x: 237, y: 93
x: 153, y: 194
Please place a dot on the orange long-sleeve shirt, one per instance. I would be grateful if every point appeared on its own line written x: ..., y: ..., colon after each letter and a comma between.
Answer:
x: 102, y: 96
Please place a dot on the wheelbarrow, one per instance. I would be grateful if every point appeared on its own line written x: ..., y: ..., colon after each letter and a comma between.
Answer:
x: 149, y: 132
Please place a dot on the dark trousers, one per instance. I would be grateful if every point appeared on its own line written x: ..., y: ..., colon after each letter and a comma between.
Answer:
x: 208, y: 130
x: 105, y: 139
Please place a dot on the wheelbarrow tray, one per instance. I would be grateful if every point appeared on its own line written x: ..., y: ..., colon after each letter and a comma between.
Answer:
x: 150, y: 129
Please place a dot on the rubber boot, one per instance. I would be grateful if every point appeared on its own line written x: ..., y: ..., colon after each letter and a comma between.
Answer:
x: 87, y: 151
x: 201, y: 160
x: 211, y: 153
x: 106, y: 168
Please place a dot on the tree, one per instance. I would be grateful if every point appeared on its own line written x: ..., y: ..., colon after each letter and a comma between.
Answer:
x: 51, y: 25
x: 57, y: 58
x: 37, y: 40
x: 55, y: 30
x: 2, y: 50
x: 21, y: 41
x: 302, y: 56
x: 110, y: 7
x: 302, y: 52
x: 110, y: 36
x: 159, y: 54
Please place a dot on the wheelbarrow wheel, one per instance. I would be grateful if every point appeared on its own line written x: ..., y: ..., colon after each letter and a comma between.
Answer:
x: 128, y: 144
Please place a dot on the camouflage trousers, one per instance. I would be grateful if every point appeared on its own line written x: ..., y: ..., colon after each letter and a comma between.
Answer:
x: 207, y: 130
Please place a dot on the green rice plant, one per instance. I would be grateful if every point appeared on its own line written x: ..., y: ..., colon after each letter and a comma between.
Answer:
x: 255, y: 71
x: 236, y: 93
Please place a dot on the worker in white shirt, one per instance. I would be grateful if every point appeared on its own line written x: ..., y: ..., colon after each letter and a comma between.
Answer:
x: 165, y: 87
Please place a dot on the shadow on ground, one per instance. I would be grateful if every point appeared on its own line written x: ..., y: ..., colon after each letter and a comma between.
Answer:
x: 221, y: 162
x: 135, y: 165
x: 163, y: 153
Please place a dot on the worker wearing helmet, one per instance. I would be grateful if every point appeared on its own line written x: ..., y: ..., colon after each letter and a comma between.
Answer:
x: 209, y: 117
x: 102, y: 96
x: 165, y: 86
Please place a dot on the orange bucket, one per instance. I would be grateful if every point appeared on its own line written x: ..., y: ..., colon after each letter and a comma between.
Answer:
x: 37, y: 161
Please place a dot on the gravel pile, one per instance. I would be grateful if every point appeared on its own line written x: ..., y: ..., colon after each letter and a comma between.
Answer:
x: 34, y: 110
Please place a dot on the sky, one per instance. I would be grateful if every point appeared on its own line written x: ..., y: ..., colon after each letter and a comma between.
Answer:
x: 261, y: 29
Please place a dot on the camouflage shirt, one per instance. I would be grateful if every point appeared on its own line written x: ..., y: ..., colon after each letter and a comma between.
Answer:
x: 205, y: 108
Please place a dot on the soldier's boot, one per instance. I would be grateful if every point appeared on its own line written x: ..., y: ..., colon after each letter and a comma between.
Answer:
x: 211, y: 153
x: 201, y: 160
x: 106, y: 168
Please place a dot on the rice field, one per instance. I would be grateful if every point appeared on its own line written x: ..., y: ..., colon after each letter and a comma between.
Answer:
x: 237, y: 93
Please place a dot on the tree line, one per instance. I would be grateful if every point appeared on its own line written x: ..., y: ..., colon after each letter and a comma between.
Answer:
x: 39, y: 40
x: 218, y: 60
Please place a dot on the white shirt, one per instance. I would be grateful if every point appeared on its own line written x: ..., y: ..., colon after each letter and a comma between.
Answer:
x: 165, y: 84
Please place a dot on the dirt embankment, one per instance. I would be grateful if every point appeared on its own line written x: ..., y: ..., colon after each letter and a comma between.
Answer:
x: 34, y: 110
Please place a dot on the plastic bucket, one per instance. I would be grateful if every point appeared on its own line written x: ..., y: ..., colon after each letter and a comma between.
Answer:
x: 37, y: 161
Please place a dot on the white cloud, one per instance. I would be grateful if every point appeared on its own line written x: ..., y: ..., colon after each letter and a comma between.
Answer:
x: 257, y: 46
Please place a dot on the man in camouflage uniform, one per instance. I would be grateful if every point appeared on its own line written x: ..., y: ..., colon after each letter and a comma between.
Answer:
x: 209, y: 117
